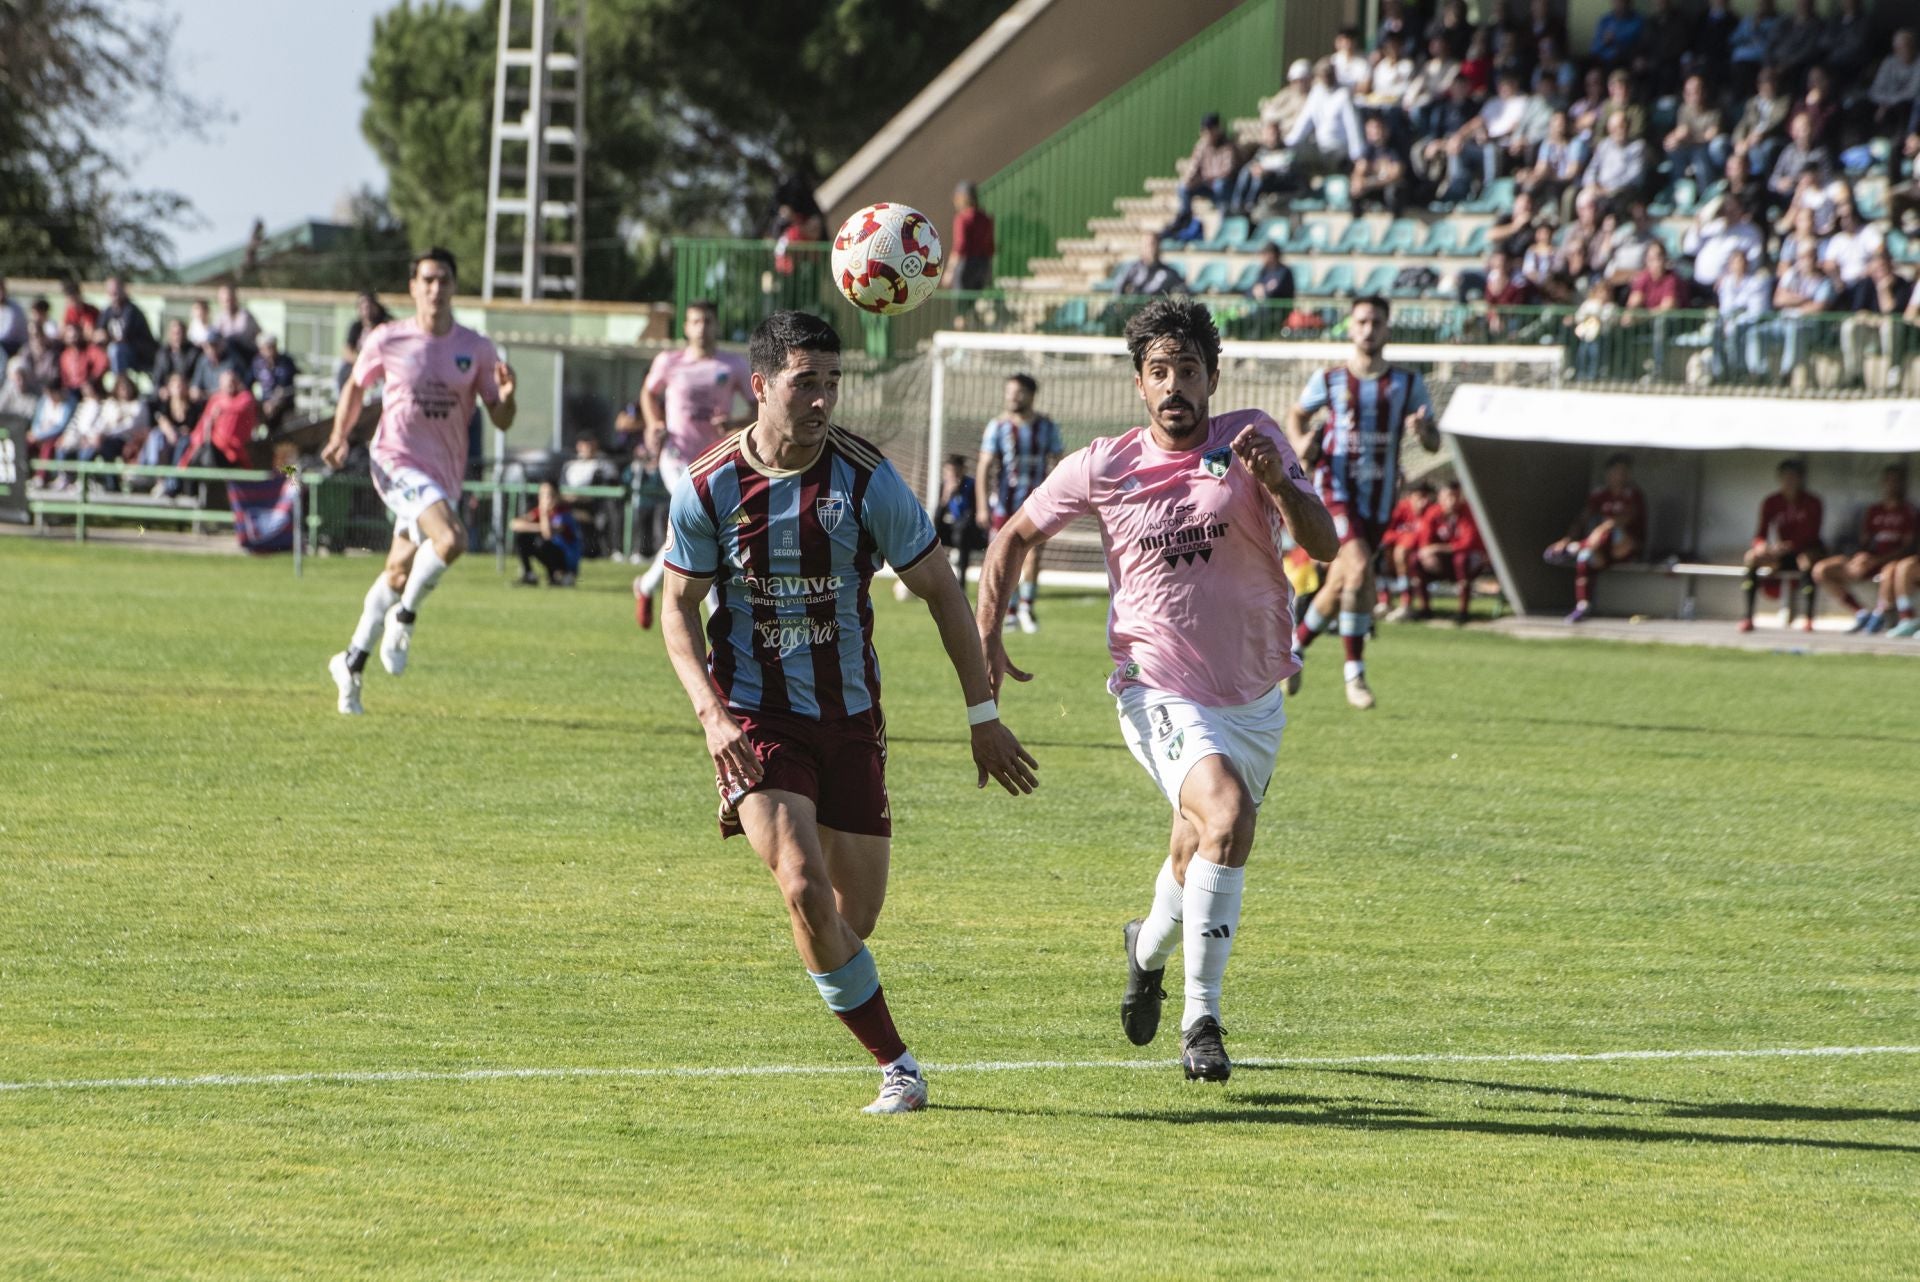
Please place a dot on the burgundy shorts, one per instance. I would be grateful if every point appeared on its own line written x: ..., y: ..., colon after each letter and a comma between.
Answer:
x: 1351, y: 526
x: 840, y: 765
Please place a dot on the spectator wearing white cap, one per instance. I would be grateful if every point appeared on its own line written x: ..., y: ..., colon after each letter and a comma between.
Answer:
x: 1285, y: 107
x: 1326, y: 138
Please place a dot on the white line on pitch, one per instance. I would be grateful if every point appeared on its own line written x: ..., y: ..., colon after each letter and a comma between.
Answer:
x: 379, y: 1076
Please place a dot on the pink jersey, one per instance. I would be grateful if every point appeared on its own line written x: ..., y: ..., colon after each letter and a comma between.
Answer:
x: 431, y: 384
x: 698, y: 390
x: 1201, y: 603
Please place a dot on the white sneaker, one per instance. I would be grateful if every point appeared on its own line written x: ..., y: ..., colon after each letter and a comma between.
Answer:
x: 901, y: 1091
x: 1399, y: 614
x: 1358, y: 694
x: 1024, y: 616
x: 394, y: 642
x: 348, y: 683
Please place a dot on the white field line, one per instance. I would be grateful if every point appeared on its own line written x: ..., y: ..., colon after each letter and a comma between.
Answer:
x: 382, y: 1076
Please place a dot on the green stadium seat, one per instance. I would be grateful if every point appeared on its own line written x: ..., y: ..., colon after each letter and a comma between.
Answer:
x: 1497, y: 198
x: 1244, y: 281
x: 1274, y: 231
x: 1871, y: 200
x: 1227, y: 236
x: 1402, y: 236
x: 1443, y: 240
x: 1212, y: 278
x: 1338, y: 280
x: 1334, y: 189
x: 1068, y: 318
x: 1686, y: 196
x: 1308, y: 238
x: 1475, y: 245
x: 1356, y: 239
x: 1379, y: 280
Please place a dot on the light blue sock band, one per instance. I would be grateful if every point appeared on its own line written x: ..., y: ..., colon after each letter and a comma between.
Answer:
x: 1355, y: 624
x: 1316, y: 622
x: 853, y: 985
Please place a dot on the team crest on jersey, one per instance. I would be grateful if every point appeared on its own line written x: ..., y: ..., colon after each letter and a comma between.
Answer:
x: 830, y: 510
x: 1218, y: 461
x: 1178, y: 746
x: 463, y: 363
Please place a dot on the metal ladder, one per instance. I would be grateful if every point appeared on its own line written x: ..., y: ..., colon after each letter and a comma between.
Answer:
x: 536, y: 175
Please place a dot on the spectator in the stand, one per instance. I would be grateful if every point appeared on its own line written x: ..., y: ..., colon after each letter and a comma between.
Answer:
x: 1208, y: 172
x: 1821, y: 106
x: 1394, y: 22
x: 1878, y: 301
x: 369, y: 315
x: 1571, y: 274
x: 1326, y: 139
x: 79, y: 311
x: 1815, y: 195
x: 174, y: 417
x: 1788, y: 538
x: 1392, y: 77
x: 1536, y: 264
x: 1478, y: 147
x: 1851, y: 248
x: 1622, y: 247
x: 217, y: 355
x: 51, y: 413
x: 1887, y: 531
x: 1584, y: 231
x: 19, y: 394
x: 1761, y: 130
x: 1743, y: 296
x: 1711, y: 242
x: 1710, y: 51
x: 130, y: 344
x: 1658, y: 289
x: 1796, y: 42
x: 1554, y: 78
x: 176, y: 356
x: 1663, y: 50
x: 1274, y: 284
x: 1380, y: 175
x: 1453, y: 26
x: 1617, y: 36
x: 13, y: 325
x: 1697, y: 145
x: 971, y: 265
x: 1611, y: 528
x: 274, y: 376
x: 1147, y: 275
x: 1801, y: 155
x: 1557, y: 162
x: 224, y: 434
x: 1285, y: 107
x: 1265, y: 173
x: 1847, y: 49
x: 550, y: 535
x: 1428, y: 92
x: 1896, y: 85
x: 1619, y: 164
x: 41, y: 356
x: 1514, y: 232
x: 1477, y: 67
x: 80, y: 443
x: 1621, y: 102
x: 235, y: 323
x: 1584, y: 112
x: 1504, y: 290
x: 1805, y: 231
x: 82, y: 361
x: 40, y: 317
x: 1802, y: 293
x: 199, y: 323
x: 1546, y: 20
x: 125, y: 420
x: 1751, y: 44
x: 1350, y: 65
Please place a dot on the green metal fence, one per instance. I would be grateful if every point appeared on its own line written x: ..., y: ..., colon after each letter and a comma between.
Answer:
x: 1132, y: 135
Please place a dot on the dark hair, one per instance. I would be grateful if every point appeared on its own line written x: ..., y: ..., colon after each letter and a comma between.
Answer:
x: 1184, y: 320
x: 704, y: 305
x: 1375, y: 301
x: 785, y: 332
x: 1026, y: 381
x: 1424, y: 487
x: 1622, y: 459
x: 435, y: 254
x: 958, y: 461
x: 1797, y: 466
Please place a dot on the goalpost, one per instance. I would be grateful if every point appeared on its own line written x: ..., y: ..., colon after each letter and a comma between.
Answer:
x: 1086, y: 386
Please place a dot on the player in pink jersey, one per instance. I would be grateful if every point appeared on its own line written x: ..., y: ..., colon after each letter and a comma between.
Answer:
x: 688, y: 402
x: 434, y: 371
x: 1191, y: 511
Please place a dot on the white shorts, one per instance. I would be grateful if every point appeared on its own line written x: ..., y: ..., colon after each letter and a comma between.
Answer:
x: 672, y: 468
x: 1169, y: 735
x: 407, y: 492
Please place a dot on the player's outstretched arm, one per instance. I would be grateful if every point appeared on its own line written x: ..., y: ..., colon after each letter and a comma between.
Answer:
x: 345, y: 415
x: 503, y: 410
x: 734, y: 762
x: 995, y: 750
x: 1306, y: 516
x: 1005, y: 555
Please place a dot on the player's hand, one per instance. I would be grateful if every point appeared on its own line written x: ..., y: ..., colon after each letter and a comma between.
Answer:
x: 999, y: 666
x: 1000, y: 756
x: 1422, y: 419
x: 334, y: 452
x: 1257, y: 451
x: 734, y: 763
x: 503, y: 378
x: 982, y: 519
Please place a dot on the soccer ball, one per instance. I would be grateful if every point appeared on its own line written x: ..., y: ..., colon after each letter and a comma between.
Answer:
x: 886, y: 259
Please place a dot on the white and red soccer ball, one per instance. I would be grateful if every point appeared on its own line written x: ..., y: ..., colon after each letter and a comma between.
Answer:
x: 886, y: 259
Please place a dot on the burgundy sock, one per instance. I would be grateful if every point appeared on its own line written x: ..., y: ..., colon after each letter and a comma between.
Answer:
x: 1463, y: 577
x: 872, y: 1023
x: 1582, y: 581
x: 1303, y: 636
x: 1354, y: 647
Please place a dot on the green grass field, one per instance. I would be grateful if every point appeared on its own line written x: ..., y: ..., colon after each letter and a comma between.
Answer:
x: 510, y: 864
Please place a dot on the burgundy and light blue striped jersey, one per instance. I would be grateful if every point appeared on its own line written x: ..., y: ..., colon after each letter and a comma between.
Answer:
x: 791, y: 555
x: 1023, y: 451
x: 1359, y: 465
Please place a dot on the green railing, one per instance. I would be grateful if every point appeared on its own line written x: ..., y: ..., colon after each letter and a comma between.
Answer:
x: 1134, y: 134
x: 748, y: 281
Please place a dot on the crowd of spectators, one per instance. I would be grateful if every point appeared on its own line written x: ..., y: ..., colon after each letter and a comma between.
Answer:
x: 98, y: 385
x: 1760, y: 129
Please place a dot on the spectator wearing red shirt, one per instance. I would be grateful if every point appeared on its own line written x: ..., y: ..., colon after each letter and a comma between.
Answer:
x: 1887, y: 531
x: 1611, y: 527
x: 970, y: 261
x: 1657, y: 288
x: 79, y: 311
x: 1788, y: 537
x: 82, y: 360
x: 227, y: 424
x: 1448, y: 546
x: 1505, y: 288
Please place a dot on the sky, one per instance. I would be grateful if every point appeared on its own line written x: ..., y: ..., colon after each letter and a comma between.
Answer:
x: 287, y: 74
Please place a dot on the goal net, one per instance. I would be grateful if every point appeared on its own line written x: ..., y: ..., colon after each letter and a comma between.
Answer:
x: 1086, y: 386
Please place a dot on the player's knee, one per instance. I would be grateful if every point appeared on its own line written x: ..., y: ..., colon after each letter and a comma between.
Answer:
x: 861, y: 918
x: 1228, y: 829
x: 397, y: 576
x: 450, y: 543
x: 808, y: 897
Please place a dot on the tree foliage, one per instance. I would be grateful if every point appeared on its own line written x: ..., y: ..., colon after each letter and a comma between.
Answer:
x: 72, y: 74
x: 695, y: 110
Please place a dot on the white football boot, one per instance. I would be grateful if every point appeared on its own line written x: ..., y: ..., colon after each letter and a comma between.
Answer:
x: 902, y: 1090
x: 395, y: 639
x: 348, y: 683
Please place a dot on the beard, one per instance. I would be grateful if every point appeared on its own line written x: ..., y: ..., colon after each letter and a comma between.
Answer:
x: 1195, y: 421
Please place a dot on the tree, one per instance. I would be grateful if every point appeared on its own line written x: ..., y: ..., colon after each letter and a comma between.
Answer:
x: 73, y: 72
x: 695, y: 110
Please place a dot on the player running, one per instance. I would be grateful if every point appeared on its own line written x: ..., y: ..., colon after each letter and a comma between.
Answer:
x: 688, y: 402
x: 786, y: 523
x: 1355, y: 454
x: 434, y: 371
x: 1018, y: 451
x: 1788, y: 538
x: 1191, y: 510
x: 1611, y: 528
x: 1448, y: 546
x: 1887, y: 532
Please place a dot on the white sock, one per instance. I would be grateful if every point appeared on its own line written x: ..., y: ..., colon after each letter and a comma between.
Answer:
x: 655, y: 574
x: 1212, y: 908
x: 1027, y: 592
x: 1160, y: 931
x: 906, y: 1061
x: 427, y: 569
x: 373, y: 615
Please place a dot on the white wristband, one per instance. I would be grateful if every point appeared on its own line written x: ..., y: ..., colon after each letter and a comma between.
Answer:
x: 979, y: 714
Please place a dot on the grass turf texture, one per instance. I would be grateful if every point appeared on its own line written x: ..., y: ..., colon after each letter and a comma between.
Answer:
x: 510, y: 863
